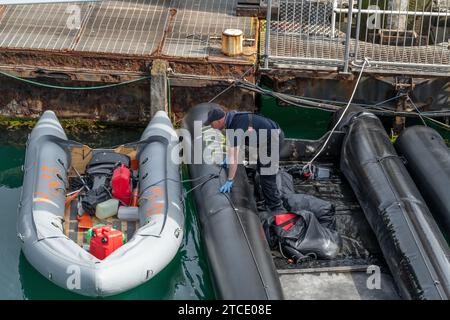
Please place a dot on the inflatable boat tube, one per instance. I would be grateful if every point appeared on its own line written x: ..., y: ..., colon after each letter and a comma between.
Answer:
x: 41, y: 213
x: 409, y: 237
x: 428, y: 162
x: 239, y: 256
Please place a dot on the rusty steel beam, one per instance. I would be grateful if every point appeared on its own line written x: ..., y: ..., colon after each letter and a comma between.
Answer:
x: 104, y: 76
x: 100, y: 66
x: 113, y: 76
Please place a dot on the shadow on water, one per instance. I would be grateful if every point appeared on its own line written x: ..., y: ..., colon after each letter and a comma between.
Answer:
x: 11, y: 160
x: 186, y: 277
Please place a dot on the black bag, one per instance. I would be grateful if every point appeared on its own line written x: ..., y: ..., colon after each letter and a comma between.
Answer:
x: 309, y: 231
x: 99, y: 171
x: 302, y: 236
x: 323, y: 210
x: 93, y: 197
x: 104, y: 162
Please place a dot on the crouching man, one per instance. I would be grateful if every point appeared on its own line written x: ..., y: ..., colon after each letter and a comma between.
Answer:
x: 269, y: 140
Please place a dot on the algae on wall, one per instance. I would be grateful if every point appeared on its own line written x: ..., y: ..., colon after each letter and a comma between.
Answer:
x: 99, y: 134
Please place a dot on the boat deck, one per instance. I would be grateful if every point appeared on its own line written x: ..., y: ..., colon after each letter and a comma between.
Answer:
x: 80, y: 158
x: 345, y: 277
x: 78, y: 235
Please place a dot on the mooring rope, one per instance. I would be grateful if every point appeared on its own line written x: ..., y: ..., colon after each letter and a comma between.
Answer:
x: 309, y: 163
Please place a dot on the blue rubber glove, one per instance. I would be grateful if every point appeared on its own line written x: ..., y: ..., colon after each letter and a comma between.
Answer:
x: 226, y: 188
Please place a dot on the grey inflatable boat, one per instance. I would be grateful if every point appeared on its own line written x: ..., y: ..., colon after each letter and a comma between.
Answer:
x: 45, y: 228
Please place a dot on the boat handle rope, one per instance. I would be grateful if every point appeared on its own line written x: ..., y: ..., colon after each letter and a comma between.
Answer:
x: 235, y: 210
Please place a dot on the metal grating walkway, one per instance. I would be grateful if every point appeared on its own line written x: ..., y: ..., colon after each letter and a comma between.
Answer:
x: 313, y: 32
x: 135, y: 27
x: 40, y: 27
x: 331, y: 49
x: 174, y: 28
x: 198, y: 23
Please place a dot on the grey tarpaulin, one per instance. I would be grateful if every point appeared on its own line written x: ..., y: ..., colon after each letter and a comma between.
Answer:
x: 323, y: 210
x: 285, y: 183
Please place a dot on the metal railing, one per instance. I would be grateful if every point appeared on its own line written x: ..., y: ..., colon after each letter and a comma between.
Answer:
x: 395, y: 35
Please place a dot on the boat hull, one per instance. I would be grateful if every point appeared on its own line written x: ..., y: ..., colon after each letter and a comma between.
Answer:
x: 428, y: 162
x: 41, y: 213
x: 409, y: 237
x: 239, y: 256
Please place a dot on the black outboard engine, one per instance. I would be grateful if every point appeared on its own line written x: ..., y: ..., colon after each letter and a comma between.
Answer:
x: 99, y: 171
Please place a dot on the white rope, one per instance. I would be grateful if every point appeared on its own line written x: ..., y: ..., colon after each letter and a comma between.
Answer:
x: 308, y: 165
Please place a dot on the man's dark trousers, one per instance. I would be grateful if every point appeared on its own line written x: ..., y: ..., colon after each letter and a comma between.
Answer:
x: 269, y: 182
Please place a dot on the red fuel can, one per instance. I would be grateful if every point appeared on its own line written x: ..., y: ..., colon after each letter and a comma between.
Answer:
x: 104, y: 241
x: 121, y: 184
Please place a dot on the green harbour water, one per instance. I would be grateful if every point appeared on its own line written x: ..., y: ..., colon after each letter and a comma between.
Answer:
x: 186, y: 277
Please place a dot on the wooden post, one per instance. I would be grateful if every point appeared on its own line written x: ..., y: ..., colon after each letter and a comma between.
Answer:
x: 399, y: 122
x: 158, y: 87
x: 403, y: 85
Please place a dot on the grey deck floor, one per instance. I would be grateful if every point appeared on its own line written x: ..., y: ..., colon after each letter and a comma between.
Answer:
x: 336, y: 285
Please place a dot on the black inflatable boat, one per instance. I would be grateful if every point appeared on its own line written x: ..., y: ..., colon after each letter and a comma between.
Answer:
x: 409, y: 237
x: 239, y: 257
x: 428, y: 161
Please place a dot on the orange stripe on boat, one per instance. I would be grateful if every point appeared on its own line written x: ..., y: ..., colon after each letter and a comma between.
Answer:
x: 43, y: 195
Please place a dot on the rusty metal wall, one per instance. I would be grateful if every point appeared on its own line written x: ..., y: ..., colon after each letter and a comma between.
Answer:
x: 429, y: 94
